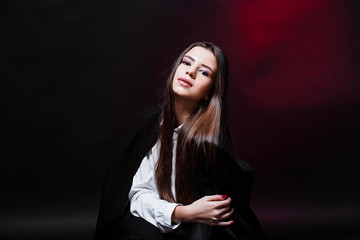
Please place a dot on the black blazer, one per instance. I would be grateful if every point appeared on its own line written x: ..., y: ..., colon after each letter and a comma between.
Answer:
x: 234, y: 178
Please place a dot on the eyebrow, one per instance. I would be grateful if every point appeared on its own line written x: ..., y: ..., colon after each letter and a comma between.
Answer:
x: 204, y: 65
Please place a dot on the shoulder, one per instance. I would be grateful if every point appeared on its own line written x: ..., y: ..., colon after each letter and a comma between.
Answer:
x: 142, y: 127
x: 150, y: 111
x: 149, y: 115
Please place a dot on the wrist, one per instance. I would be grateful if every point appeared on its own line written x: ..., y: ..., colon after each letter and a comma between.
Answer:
x: 181, y: 214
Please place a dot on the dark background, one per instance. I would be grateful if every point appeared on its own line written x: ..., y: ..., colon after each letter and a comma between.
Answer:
x: 73, y: 73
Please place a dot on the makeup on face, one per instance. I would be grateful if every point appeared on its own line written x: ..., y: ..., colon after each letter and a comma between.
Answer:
x: 193, y: 77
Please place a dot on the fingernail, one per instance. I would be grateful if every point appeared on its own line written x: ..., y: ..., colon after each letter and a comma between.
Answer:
x: 224, y: 196
x: 232, y: 222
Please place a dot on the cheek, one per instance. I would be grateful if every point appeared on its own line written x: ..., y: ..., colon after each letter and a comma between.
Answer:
x: 177, y: 72
x: 173, y: 80
x: 208, y: 84
x: 205, y: 88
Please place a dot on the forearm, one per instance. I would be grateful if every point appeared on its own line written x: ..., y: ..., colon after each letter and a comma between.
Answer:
x: 154, y: 210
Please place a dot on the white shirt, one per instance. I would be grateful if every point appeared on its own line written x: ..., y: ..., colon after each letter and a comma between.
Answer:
x: 144, y: 197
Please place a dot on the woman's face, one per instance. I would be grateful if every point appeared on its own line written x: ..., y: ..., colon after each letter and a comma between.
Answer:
x: 194, y: 76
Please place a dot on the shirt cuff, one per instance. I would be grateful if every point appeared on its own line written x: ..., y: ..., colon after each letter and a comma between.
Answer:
x: 163, y: 215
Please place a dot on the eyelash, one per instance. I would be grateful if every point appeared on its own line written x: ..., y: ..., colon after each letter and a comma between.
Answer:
x: 186, y: 62
x: 201, y: 71
x: 204, y: 73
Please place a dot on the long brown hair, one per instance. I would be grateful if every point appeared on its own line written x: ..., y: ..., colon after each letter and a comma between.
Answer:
x: 199, y: 135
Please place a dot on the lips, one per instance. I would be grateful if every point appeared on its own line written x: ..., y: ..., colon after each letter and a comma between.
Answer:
x: 184, y: 82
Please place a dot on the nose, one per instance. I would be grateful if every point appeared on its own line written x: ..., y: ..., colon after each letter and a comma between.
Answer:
x: 191, y: 73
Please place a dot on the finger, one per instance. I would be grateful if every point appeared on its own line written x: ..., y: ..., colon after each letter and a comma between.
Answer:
x: 224, y: 224
x: 226, y: 215
x: 216, y: 197
x: 224, y: 203
x: 223, y: 210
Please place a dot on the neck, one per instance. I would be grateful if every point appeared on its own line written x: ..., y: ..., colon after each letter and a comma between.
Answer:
x: 183, y: 109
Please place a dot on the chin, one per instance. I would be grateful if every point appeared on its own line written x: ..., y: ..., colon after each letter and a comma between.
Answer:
x: 180, y: 91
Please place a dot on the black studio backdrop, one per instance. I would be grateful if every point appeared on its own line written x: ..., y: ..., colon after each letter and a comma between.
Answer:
x: 73, y: 73
x: 70, y: 75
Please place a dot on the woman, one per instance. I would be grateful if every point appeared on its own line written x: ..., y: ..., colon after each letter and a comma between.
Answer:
x: 185, y: 181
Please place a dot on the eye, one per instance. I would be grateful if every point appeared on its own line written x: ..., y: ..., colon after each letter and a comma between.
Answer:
x: 185, y: 62
x: 203, y: 72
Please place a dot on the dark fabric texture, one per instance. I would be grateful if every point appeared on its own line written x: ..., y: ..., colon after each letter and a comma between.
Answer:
x: 131, y: 227
x: 234, y: 178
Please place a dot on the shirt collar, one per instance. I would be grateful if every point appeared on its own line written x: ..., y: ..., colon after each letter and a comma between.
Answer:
x: 178, y: 128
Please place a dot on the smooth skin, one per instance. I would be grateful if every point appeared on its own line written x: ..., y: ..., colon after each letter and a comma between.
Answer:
x: 211, y: 210
x: 197, y: 69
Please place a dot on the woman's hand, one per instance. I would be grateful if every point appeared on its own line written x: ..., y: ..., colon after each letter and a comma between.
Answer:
x: 211, y: 210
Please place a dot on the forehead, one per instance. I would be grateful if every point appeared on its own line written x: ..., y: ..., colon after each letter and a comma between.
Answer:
x: 203, y: 56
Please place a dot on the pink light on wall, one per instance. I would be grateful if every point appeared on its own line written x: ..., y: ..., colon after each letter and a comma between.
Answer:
x: 293, y: 54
